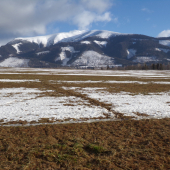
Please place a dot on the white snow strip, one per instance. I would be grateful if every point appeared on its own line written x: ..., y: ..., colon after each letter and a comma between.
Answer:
x: 10, y: 80
x: 85, y: 42
x: 93, y: 59
x: 42, y: 52
x: 16, y: 46
x: 62, y: 57
x: 131, y: 53
x: 161, y: 49
x: 115, y: 73
x: 14, y: 62
x: 165, y: 42
x: 112, y: 82
x: 101, y: 43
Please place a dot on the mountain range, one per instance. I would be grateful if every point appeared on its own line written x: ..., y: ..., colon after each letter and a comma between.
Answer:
x: 85, y: 49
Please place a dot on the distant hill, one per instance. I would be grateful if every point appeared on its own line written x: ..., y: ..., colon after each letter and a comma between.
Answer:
x: 85, y: 49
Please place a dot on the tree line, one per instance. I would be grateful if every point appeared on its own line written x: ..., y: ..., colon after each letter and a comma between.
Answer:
x: 153, y: 66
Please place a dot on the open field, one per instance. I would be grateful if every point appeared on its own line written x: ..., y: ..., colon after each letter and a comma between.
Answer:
x: 56, y: 95
x: 125, y: 114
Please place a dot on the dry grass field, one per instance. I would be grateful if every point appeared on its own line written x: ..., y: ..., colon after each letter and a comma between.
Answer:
x: 84, y: 119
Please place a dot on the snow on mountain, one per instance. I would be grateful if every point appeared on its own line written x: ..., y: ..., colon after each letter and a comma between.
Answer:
x: 69, y: 48
x: 101, y: 43
x: 93, y: 59
x: 14, y: 62
x: 85, y: 42
x: 108, y: 34
x: 161, y: 49
x: 42, y: 52
x: 72, y: 36
x: 54, y: 38
x: 131, y: 53
x: 16, y: 46
x: 63, y: 57
x: 144, y: 59
x: 165, y: 42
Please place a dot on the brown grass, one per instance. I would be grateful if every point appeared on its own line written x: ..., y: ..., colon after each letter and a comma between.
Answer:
x: 127, y: 144
x: 143, y: 144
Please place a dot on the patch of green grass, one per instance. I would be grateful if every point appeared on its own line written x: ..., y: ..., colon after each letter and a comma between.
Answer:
x: 93, y: 148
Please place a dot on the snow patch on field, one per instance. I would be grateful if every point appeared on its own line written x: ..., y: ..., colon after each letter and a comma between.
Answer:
x: 131, y: 53
x: 10, y: 80
x: 112, y: 82
x: 16, y: 46
x: 159, y: 74
x: 154, y: 105
x: 93, y: 59
x: 27, y: 104
x: 14, y: 62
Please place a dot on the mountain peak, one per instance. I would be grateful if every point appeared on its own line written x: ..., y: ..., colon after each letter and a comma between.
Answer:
x: 72, y: 36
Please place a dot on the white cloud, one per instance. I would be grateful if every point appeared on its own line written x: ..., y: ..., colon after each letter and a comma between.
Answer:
x: 97, y: 5
x: 165, y: 33
x: 147, y: 10
x: 30, y: 18
x: 86, y: 18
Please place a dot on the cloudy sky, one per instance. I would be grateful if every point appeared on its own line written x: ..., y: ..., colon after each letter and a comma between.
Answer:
x: 24, y: 18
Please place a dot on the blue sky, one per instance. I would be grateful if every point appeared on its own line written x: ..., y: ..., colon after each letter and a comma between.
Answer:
x: 23, y: 18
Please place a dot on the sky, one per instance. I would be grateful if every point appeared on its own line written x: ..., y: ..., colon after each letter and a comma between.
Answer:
x: 25, y: 18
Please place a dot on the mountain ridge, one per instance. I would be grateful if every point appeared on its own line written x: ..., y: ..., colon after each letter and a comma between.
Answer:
x: 96, y: 48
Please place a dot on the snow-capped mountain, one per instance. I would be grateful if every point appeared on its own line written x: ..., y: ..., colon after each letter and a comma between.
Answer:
x: 85, y: 48
x: 72, y: 36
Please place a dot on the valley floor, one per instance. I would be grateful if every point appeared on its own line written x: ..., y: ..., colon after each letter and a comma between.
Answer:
x: 31, y: 96
x: 84, y: 119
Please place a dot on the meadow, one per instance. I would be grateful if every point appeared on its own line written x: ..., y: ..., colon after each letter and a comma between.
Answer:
x: 84, y: 119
